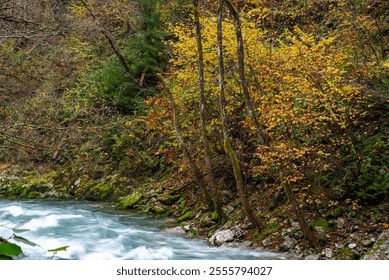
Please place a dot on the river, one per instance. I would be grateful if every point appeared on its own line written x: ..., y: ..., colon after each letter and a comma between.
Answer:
x: 94, y: 232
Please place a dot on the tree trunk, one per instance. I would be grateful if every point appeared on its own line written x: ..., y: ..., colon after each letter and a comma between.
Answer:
x: 226, y: 137
x: 204, y: 135
x: 241, y: 68
x: 308, y: 234
x: 184, y: 146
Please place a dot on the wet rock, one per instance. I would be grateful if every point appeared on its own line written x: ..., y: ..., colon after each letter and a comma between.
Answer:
x: 312, y: 257
x: 186, y: 228
x: 266, y: 242
x: 221, y: 237
x: 245, y: 245
x: 174, y: 230
x: 288, y: 244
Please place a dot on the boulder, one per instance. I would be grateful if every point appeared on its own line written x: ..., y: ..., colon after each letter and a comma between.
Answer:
x: 221, y: 237
x: 288, y: 244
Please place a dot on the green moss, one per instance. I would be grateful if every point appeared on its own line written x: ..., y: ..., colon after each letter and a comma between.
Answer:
x: 168, y: 199
x: 205, y: 224
x: 215, y: 216
x: 320, y: 223
x: 374, y: 249
x: 346, y: 254
x: 193, y: 231
x: 159, y: 210
x: 182, y: 202
x: 270, y: 228
x: 131, y: 201
x: 187, y: 216
x: 101, y: 191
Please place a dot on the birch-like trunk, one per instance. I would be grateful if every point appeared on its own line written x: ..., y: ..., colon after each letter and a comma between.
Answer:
x: 226, y: 137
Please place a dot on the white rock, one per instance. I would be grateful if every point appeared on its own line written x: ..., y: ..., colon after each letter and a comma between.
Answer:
x: 221, y: 237
x: 312, y: 257
x: 352, y: 245
x: 328, y: 252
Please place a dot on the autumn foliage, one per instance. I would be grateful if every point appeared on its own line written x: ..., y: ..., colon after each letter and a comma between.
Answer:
x: 317, y: 76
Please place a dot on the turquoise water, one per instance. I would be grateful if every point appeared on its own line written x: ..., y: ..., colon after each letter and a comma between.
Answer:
x: 93, y: 233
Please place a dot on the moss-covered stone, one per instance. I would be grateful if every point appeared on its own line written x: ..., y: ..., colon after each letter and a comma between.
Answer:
x: 193, y: 231
x: 157, y: 209
x: 187, y: 216
x: 131, y: 201
x: 168, y: 199
x: 182, y: 202
x: 215, y: 216
x: 346, y: 254
x: 320, y: 225
x: 101, y: 191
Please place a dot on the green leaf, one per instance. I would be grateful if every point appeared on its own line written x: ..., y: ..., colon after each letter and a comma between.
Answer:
x: 16, y: 230
x: 10, y: 249
x: 24, y: 240
x: 58, y: 249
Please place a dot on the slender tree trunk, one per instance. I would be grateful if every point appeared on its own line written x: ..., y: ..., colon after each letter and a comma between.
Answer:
x: 203, y: 123
x: 308, y: 234
x: 199, y: 178
x: 241, y: 68
x: 226, y: 137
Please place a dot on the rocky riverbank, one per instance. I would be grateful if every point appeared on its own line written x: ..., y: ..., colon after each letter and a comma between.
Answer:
x: 343, y: 233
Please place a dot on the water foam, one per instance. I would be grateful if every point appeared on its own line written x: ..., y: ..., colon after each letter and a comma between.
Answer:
x: 144, y: 253
x: 14, y: 210
x: 47, y: 221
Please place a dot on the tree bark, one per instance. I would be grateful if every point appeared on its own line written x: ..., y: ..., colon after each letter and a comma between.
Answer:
x: 308, y: 234
x: 224, y: 120
x: 199, y: 178
x: 203, y: 123
x: 241, y: 69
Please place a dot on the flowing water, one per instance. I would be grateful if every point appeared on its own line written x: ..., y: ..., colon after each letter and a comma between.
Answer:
x: 94, y: 233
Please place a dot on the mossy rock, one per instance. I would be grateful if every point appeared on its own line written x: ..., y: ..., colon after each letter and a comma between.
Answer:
x: 131, y: 201
x: 335, y: 213
x: 320, y: 225
x: 33, y: 195
x: 182, y: 202
x: 187, y: 216
x: 168, y: 199
x: 40, y: 188
x: 193, y: 231
x: 161, y: 211
x: 215, y: 216
x: 101, y: 191
x: 346, y: 254
x: 205, y: 223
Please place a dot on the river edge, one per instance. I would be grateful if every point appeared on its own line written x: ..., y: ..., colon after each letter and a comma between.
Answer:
x: 345, y: 234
